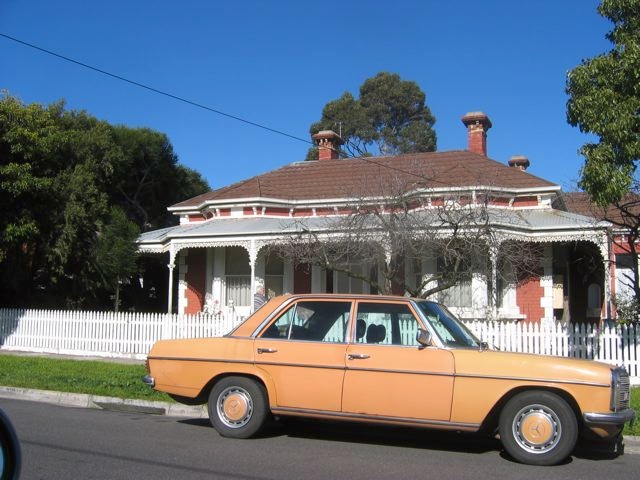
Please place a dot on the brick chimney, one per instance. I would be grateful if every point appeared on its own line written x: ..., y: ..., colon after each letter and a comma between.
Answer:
x: 477, y: 124
x: 328, y: 143
x: 520, y: 162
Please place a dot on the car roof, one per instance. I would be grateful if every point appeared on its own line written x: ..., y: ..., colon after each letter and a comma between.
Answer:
x: 248, y: 327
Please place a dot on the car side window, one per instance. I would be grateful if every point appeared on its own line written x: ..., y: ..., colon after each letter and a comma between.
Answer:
x: 386, y: 324
x: 312, y: 321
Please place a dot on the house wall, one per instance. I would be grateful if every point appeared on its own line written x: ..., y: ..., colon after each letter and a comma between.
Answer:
x: 528, y: 294
x: 195, y: 279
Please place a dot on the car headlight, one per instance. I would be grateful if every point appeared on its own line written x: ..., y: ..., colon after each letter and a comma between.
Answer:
x: 620, y: 385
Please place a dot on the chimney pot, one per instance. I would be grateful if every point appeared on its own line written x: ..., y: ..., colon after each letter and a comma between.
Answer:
x: 477, y: 124
x: 520, y: 162
x: 328, y: 143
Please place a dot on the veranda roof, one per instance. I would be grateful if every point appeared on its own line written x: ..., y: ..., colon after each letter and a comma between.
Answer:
x: 531, y: 222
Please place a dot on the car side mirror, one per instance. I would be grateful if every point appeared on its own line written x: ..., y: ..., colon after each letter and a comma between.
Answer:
x: 9, y: 450
x: 423, y: 337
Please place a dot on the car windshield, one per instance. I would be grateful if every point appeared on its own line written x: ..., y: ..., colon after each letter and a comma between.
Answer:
x: 448, y: 328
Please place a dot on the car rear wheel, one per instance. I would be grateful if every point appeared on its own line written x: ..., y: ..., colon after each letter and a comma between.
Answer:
x: 237, y: 407
x: 538, y: 428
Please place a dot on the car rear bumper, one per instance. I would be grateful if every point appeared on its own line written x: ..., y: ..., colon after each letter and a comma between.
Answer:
x: 149, y: 380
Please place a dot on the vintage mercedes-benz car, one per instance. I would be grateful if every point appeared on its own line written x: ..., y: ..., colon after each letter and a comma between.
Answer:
x: 392, y: 360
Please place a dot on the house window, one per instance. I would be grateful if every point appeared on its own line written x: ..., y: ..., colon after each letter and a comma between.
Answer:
x: 416, y: 273
x: 506, y: 286
x: 237, y: 277
x: 274, y: 276
x: 460, y: 295
x: 345, y: 284
x: 624, y: 275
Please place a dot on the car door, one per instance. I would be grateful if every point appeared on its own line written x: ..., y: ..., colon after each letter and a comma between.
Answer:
x: 388, y: 375
x: 303, y: 351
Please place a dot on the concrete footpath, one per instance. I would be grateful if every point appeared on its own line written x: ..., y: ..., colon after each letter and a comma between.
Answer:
x: 82, y: 400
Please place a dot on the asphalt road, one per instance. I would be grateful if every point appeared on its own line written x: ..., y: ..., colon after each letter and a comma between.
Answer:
x: 73, y: 443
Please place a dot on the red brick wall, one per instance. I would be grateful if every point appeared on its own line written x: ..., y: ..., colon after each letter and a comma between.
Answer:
x: 528, y: 295
x: 525, y: 202
x: 195, y: 279
x: 283, y: 212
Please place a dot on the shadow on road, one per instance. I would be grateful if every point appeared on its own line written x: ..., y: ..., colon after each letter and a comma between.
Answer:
x: 372, y: 434
x: 393, y: 436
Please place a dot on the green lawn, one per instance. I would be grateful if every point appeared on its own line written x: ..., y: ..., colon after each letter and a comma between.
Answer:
x: 635, y: 404
x: 77, y: 376
x: 116, y: 379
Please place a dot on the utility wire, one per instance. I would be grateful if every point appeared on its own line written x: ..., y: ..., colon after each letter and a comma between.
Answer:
x: 152, y: 89
x: 204, y: 107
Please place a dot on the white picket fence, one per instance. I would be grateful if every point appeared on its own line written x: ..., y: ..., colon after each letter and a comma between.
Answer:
x: 616, y: 345
x: 131, y: 335
x: 103, y: 334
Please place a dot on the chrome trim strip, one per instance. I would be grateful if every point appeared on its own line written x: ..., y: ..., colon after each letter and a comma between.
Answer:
x: 532, y: 379
x: 196, y: 359
x: 361, y: 369
x: 299, y: 365
x: 406, y: 372
x: 612, y: 418
x: 375, y: 418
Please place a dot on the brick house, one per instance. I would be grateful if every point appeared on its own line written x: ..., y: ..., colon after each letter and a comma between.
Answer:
x: 217, y: 252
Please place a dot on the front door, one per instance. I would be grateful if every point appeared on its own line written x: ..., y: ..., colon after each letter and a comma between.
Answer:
x: 387, y: 375
x: 303, y: 350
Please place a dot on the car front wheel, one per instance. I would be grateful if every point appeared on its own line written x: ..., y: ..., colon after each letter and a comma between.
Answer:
x: 237, y: 407
x: 538, y: 428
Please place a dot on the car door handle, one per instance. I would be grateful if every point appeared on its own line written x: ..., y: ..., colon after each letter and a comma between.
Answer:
x: 267, y: 350
x: 358, y: 356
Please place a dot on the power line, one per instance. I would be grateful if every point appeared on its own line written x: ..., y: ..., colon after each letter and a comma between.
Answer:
x: 200, y: 105
x: 152, y: 89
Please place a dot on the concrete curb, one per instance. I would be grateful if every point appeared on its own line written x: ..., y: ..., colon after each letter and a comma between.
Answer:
x: 82, y: 400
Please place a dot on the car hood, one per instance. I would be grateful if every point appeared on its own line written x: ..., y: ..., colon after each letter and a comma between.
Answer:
x: 491, y: 363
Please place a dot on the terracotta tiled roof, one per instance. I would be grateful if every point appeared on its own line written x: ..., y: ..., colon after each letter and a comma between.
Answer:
x: 375, y: 176
x: 580, y: 203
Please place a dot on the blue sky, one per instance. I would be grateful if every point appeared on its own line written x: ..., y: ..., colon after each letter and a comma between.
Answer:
x: 277, y: 63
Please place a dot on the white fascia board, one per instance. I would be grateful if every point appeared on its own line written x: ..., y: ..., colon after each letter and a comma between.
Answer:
x: 260, y: 201
x: 321, y: 202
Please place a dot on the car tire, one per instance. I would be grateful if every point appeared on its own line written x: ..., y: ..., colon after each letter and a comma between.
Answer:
x: 238, y: 407
x: 538, y: 428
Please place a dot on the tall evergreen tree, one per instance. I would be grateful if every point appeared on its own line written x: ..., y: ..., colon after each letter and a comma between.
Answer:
x: 389, y: 117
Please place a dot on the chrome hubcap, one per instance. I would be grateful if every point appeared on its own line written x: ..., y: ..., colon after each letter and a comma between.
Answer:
x: 537, y: 429
x: 234, y: 407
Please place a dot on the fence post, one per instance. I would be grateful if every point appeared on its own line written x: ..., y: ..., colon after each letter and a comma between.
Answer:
x: 166, y: 326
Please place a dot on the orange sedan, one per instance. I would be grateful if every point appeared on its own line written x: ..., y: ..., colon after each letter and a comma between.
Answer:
x: 392, y: 360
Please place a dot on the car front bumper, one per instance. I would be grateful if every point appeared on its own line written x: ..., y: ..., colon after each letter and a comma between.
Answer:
x: 610, y: 418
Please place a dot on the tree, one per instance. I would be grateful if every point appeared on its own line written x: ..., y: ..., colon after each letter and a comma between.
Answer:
x: 63, y: 174
x: 390, y: 115
x: 147, y: 177
x: 116, y: 252
x: 604, y: 100
x: 380, y: 238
